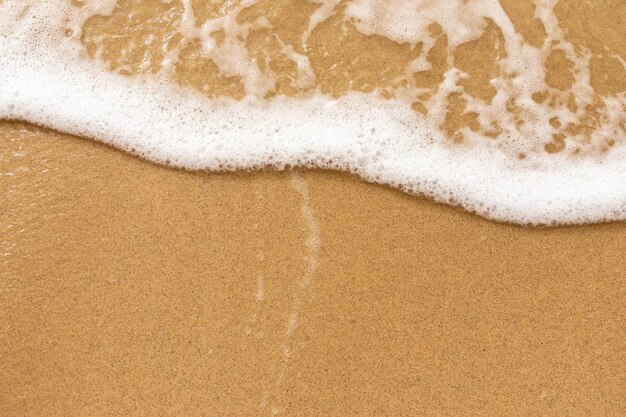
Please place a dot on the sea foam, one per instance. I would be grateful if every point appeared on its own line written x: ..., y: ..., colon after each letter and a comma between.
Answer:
x: 47, y: 78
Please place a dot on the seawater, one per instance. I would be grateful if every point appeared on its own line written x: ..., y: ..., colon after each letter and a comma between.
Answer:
x: 489, y: 105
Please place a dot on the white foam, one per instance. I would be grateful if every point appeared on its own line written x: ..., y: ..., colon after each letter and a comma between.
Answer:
x: 407, y: 21
x: 46, y: 78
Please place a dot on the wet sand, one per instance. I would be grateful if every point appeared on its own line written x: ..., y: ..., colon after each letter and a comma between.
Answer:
x: 134, y: 289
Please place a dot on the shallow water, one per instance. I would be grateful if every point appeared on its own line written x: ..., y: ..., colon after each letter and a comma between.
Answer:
x: 513, y: 110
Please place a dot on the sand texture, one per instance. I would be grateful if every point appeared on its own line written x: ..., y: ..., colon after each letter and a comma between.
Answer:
x: 133, y: 289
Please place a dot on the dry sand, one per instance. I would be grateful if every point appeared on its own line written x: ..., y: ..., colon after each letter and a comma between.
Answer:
x: 128, y: 288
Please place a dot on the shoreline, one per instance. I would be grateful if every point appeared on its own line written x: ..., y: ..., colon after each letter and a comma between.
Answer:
x: 271, y: 169
x: 128, y: 287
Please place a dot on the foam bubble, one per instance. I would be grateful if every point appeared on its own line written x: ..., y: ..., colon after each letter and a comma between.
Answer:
x: 47, y: 78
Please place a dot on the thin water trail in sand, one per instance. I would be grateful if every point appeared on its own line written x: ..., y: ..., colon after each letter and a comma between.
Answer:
x: 312, y: 243
x: 505, y: 108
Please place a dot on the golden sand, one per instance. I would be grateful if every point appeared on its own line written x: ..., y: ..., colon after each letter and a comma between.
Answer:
x: 133, y: 289
x: 128, y: 288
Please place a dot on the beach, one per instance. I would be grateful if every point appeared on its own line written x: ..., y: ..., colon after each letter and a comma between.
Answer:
x: 136, y: 289
x: 133, y: 288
